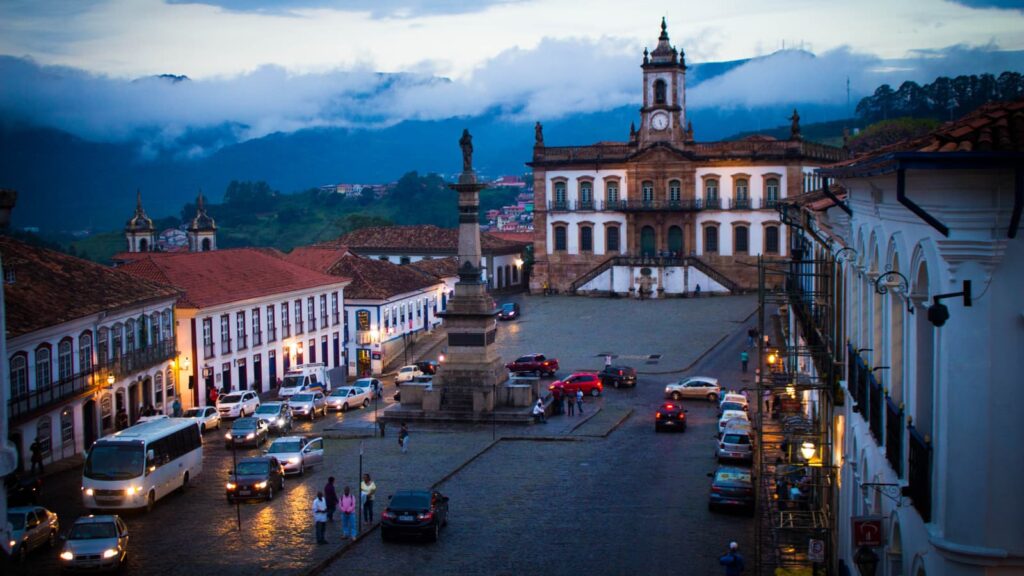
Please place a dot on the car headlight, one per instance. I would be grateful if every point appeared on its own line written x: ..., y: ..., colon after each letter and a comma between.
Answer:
x: 279, y: 420
x: 261, y: 485
x: 132, y: 490
x: 109, y: 553
x: 12, y: 544
x: 250, y: 436
x: 67, y: 555
x: 89, y: 491
x: 230, y: 486
x: 294, y: 460
x: 228, y: 435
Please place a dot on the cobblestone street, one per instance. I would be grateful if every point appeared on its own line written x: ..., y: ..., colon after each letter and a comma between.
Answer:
x: 600, y: 494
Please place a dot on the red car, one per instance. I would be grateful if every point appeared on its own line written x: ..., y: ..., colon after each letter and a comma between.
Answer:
x: 589, y: 382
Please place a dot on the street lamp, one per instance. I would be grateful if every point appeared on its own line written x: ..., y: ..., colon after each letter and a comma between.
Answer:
x: 866, y: 561
x: 110, y: 380
x: 807, y: 450
x: 791, y: 390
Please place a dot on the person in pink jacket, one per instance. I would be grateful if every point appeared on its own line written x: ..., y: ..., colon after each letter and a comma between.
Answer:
x: 347, y: 507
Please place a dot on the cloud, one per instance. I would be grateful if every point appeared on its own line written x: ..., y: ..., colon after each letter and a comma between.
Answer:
x: 1003, y: 4
x: 377, y: 8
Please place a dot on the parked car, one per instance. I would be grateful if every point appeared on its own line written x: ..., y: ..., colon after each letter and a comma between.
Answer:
x: 428, y: 366
x: 348, y: 397
x: 238, y: 404
x: 616, y: 376
x: 733, y: 397
x: 407, y: 373
x: 729, y: 415
x: 414, y: 512
x: 33, y: 527
x: 308, y: 404
x: 296, y: 453
x: 670, y: 416
x: 735, y: 445
x: 375, y: 386
x: 534, y: 363
x: 694, y: 387
x: 95, y: 543
x: 586, y: 381
x: 206, y: 417
x: 255, y: 477
x: 731, y: 406
x: 277, y: 414
x: 508, y: 311
x: 731, y: 487
x: 247, y: 431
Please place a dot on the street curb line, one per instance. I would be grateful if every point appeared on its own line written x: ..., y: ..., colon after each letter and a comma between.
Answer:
x: 705, y: 353
x: 585, y: 420
x: 615, y: 427
x: 471, y: 459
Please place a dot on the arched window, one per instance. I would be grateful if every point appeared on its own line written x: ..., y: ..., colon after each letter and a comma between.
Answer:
x: 65, y: 360
x: 673, y: 191
x: 44, y: 368
x: 206, y: 245
x: 742, y: 198
x: 710, y: 239
x: 675, y: 241
x: 611, y: 239
x: 586, y: 239
x: 129, y: 336
x: 561, y: 239
x: 103, y: 347
x: 85, y: 352
x: 659, y: 91
x: 154, y: 329
x: 647, y: 191
x: 771, y: 192
x: 19, y: 375
x: 560, y: 194
x: 106, y: 413
x: 143, y: 245
x: 44, y: 435
x: 711, y: 193
x: 67, y: 431
x: 771, y: 239
x: 166, y: 325
x: 586, y: 195
x: 117, y: 334
x: 741, y: 240
x: 612, y: 192
x: 158, y: 389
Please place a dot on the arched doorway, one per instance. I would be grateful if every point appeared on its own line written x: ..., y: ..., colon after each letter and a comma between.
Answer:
x: 133, y: 402
x: 675, y: 241
x: 143, y: 245
x: 147, y: 392
x: 647, y: 247
x: 206, y: 245
x: 88, y: 423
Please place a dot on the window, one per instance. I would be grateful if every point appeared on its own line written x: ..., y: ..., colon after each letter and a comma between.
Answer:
x: 710, y: 239
x: 129, y: 333
x: 742, y: 195
x: 154, y: 328
x: 225, y: 334
x: 257, y: 333
x: 44, y: 372
x: 19, y: 375
x: 65, y: 366
x: 647, y: 190
x: 103, y: 346
x: 561, y: 240
x: 335, y: 315
x: 85, y: 352
x: 711, y: 193
x: 106, y: 413
x: 298, y: 317
x: 560, y: 194
x: 741, y: 242
x: 673, y: 191
x: 240, y: 330
x: 323, y: 310
x: 586, y: 195
x: 117, y: 335
x: 586, y: 239
x: 207, y: 337
x: 158, y: 388
x: 611, y: 239
x: 771, y: 192
x: 403, y: 260
x: 612, y: 192
x: 311, y: 310
x: 271, y: 324
x: 286, y: 328
x: 771, y: 239
x: 170, y: 383
x: 659, y: 91
x: 165, y: 324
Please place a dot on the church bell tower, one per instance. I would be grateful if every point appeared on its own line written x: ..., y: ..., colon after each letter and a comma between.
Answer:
x: 663, y: 116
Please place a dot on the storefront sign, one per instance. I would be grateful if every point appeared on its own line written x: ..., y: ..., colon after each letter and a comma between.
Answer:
x: 867, y: 531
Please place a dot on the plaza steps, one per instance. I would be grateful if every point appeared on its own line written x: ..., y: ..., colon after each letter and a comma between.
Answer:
x: 655, y: 262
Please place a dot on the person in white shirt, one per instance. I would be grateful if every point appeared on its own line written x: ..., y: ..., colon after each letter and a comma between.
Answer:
x: 579, y: 401
x: 538, y: 412
x: 320, y: 517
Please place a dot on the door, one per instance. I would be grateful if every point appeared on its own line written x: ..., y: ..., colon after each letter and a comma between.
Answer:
x: 313, y: 453
x: 257, y: 373
x: 287, y: 360
x: 133, y: 403
x: 323, y: 351
x: 243, y: 376
x: 89, y: 423
x: 647, y: 241
x: 363, y: 361
x: 226, y: 377
x: 675, y: 241
x: 272, y: 368
x: 337, y: 350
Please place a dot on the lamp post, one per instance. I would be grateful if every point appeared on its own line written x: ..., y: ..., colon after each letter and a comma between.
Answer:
x: 807, y: 450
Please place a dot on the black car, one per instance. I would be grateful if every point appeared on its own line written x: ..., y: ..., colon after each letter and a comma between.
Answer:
x: 508, y: 311
x: 617, y: 376
x: 670, y: 416
x: 247, y: 431
x: 731, y: 487
x: 255, y: 477
x: 427, y: 366
x: 415, y: 513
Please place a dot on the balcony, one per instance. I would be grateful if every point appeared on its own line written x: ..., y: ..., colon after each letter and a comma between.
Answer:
x: 741, y: 204
x: 875, y: 408
x: 126, y: 365
x: 920, y: 474
x: 894, y: 435
x: 208, y: 350
x: 257, y: 338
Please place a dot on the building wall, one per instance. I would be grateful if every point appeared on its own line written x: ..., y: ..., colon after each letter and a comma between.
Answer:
x: 387, y: 334
x: 489, y: 261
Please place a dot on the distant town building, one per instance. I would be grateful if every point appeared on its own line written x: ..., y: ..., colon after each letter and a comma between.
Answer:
x: 508, y: 182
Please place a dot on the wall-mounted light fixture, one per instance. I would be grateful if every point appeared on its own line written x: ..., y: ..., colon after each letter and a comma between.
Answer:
x: 882, y: 287
x: 807, y: 450
x: 938, y: 313
x: 845, y: 254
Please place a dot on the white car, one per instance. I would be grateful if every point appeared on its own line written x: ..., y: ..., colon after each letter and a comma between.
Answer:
x: 296, y: 453
x: 206, y: 417
x: 407, y: 373
x: 730, y: 415
x: 376, y: 386
x: 308, y: 404
x: 733, y: 397
x: 238, y: 404
x: 694, y: 387
x: 348, y: 397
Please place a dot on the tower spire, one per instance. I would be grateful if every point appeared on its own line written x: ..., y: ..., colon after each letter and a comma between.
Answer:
x: 664, y: 30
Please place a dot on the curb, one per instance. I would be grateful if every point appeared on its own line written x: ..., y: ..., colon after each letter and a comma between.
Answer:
x: 614, y: 427
x: 585, y: 420
x: 323, y: 564
x: 469, y: 461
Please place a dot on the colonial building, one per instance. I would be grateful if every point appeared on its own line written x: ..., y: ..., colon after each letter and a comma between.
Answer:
x: 387, y: 306
x: 661, y: 212
x: 503, y: 259
x: 928, y: 271
x: 246, y: 315
x: 202, y: 231
x: 88, y: 347
x: 139, y: 231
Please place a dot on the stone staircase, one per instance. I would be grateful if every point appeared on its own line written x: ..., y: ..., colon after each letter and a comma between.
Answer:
x: 656, y: 262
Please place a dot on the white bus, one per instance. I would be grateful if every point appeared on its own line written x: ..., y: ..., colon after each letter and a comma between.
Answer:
x: 139, y: 465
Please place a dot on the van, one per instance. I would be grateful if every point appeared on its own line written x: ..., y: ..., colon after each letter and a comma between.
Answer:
x: 735, y: 445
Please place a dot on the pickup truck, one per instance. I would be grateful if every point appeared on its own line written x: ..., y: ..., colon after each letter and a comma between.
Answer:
x: 537, y: 363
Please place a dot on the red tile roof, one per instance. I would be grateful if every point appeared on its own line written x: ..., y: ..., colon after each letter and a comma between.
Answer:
x: 319, y: 257
x: 374, y: 279
x: 421, y: 239
x: 51, y: 288
x: 437, y: 267
x: 522, y: 237
x: 222, y: 276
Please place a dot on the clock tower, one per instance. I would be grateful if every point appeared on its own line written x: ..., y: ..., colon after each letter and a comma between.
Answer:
x: 663, y: 116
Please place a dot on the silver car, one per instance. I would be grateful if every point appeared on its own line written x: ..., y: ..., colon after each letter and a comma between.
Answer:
x: 206, y: 417
x: 34, y: 527
x: 694, y: 387
x: 376, y: 386
x: 308, y: 405
x: 95, y: 543
x: 296, y: 453
x: 348, y: 397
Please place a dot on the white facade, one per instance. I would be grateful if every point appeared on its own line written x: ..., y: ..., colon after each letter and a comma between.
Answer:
x: 507, y: 277
x: 380, y: 329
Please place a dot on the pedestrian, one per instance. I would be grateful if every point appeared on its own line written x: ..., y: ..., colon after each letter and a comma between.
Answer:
x: 213, y: 396
x: 696, y: 291
x: 751, y: 334
x: 403, y: 438
x: 176, y: 408
x: 732, y: 561
x: 607, y: 360
x: 768, y: 398
x: 538, y: 412
x: 367, y: 489
x: 331, y: 497
x: 347, y: 507
x: 556, y: 402
x: 570, y: 404
x: 37, y: 455
x: 121, y: 420
x: 579, y: 401
x: 744, y: 357
x: 320, y: 517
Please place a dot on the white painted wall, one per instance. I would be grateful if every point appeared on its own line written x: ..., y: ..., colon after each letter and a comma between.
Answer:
x: 674, y: 279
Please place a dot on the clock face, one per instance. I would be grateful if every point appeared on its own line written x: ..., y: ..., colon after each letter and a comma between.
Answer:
x: 659, y: 121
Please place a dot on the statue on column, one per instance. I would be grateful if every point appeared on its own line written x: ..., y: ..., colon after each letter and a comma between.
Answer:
x: 538, y: 135
x: 466, y: 143
x: 689, y: 131
x: 794, y: 128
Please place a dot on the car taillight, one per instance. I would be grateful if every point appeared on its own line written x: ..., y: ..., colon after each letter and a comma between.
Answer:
x: 658, y: 415
x: 681, y: 416
x: 716, y: 489
x: 387, y: 514
x: 425, y: 516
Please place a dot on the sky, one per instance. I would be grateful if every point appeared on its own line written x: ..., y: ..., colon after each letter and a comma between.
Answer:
x: 261, y: 66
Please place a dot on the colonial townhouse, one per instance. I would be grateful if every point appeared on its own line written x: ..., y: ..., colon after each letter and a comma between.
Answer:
x: 503, y: 259
x: 388, y: 306
x: 246, y: 315
x: 662, y: 213
x: 928, y: 276
x: 89, y: 348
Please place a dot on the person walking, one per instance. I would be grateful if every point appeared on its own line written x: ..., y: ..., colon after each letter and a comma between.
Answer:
x: 367, y: 489
x: 403, y: 438
x: 37, y: 456
x: 696, y: 291
x: 732, y: 560
x: 331, y: 497
x: 538, y: 412
x: 320, y: 517
x: 347, y: 507
x: 176, y: 408
x: 579, y: 401
x: 212, y: 396
x: 607, y: 360
x: 751, y: 334
x: 570, y: 403
x: 744, y: 357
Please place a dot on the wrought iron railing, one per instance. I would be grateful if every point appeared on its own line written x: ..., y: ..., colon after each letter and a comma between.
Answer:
x: 919, y: 473
x: 894, y: 435
x: 875, y: 408
x: 740, y: 204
